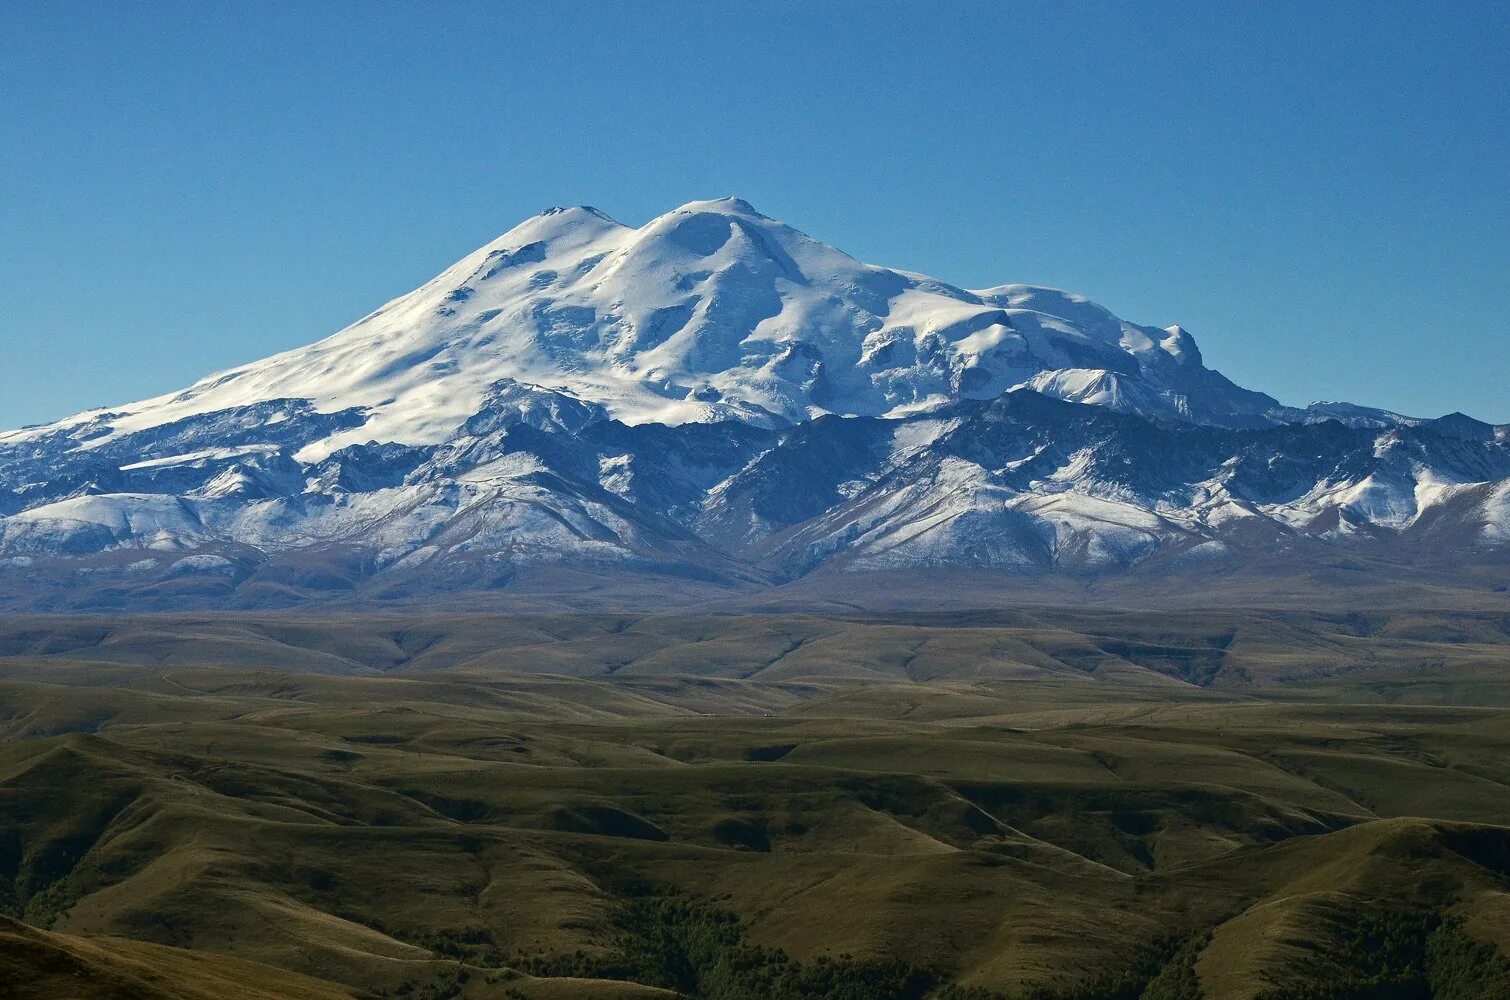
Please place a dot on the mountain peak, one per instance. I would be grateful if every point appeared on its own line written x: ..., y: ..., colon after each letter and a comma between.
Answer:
x: 555, y: 222
x: 583, y: 391
x: 570, y: 213
x: 721, y: 206
x: 709, y: 312
x: 1461, y: 425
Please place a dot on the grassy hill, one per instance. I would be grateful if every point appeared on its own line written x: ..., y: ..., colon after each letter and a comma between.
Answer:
x: 1065, y: 808
x: 40, y: 965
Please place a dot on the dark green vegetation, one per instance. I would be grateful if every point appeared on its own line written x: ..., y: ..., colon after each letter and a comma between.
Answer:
x: 1404, y: 954
x: 1049, y: 805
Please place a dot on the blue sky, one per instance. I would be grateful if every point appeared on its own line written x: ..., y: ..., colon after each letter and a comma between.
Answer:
x: 1320, y: 197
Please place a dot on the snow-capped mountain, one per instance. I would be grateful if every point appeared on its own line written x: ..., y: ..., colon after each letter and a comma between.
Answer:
x: 716, y: 395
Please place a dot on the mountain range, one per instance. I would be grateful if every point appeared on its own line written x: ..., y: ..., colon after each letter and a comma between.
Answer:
x: 716, y: 403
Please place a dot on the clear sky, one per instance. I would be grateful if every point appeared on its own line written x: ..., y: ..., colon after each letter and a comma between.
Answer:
x: 1320, y: 197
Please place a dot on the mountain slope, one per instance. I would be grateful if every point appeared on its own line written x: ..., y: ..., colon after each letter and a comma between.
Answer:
x: 715, y: 397
x: 712, y: 311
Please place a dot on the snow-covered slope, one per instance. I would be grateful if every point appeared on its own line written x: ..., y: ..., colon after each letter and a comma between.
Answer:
x: 712, y: 311
x: 717, y: 395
